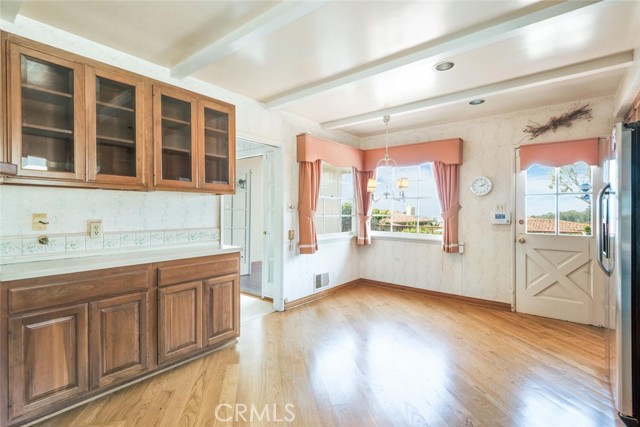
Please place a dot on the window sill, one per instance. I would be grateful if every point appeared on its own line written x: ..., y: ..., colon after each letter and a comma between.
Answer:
x: 335, y: 237
x: 403, y: 237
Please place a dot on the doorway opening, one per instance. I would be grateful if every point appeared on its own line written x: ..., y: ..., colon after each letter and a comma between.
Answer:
x: 252, y: 217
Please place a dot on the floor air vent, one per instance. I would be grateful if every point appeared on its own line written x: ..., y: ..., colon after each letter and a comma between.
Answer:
x: 321, y: 280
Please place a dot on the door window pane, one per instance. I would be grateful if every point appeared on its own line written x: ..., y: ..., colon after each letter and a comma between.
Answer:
x: 541, y: 180
x: 562, y: 196
x: 575, y: 215
x: 541, y: 214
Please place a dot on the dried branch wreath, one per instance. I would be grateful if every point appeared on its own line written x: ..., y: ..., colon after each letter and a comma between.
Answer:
x: 578, y: 113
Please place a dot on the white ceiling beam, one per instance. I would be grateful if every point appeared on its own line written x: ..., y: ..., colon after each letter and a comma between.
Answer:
x: 442, y: 48
x: 281, y: 15
x: 9, y: 10
x: 582, y: 69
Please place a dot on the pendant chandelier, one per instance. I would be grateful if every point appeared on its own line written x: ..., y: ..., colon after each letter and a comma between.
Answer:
x: 401, y: 183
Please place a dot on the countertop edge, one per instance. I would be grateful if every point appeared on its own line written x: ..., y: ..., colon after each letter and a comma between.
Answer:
x: 33, y: 269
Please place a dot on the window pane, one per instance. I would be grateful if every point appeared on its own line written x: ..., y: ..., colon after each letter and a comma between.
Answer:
x: 332, y: 224
x: 332, y: 207
x: 541, y: 180
x: 575, y: 178
x: 541, y: 214
x: 574, y: 215
x: 346, y: 189
x: 380, y: 220
x: 347, y: 223
x: 347, y: 207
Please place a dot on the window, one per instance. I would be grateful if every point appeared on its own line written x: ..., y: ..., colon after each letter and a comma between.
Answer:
x: 418, y: 214
x: 335, y: 213
x: 558, y: 200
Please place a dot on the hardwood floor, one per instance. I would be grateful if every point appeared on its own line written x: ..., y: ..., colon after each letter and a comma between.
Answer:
x: 373, y: 357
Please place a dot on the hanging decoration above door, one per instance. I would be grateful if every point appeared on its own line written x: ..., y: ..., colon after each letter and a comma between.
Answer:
x: 566, y: 120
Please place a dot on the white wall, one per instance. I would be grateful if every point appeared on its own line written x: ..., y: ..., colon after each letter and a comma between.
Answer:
x: 253, y: 122
x: 485, y: 269
x: 254, y: 165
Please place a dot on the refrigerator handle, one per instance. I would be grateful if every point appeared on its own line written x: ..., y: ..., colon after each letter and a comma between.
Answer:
x: 601, y: 229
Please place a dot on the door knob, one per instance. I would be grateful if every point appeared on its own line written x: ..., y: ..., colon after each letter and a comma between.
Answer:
x: 521, y: 240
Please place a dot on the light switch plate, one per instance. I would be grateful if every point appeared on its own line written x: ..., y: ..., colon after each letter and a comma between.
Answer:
x: 39, y: 221
x: 95, y: 228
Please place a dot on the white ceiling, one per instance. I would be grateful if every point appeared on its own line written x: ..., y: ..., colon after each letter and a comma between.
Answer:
x: 347, y: 63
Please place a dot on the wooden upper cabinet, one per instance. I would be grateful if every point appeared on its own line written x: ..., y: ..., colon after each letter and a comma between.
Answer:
x: 46, y: 115
x: 175, y: 138
x: 217, y: 156
x: 76, y: 122
x: 115, y: 128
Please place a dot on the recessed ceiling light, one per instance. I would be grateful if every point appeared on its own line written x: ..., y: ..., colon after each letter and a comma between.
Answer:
x: 444, y: 66
x: 476, y: 102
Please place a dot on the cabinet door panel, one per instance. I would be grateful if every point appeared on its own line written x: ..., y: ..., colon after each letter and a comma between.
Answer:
x: 217, y: 149
x: 175, y: 138
x: 221, y: 309
x: 179, y: 320
x: 47, y: 358
x: 115, y: 128
x: 118, y: 338
x: 47, y: 123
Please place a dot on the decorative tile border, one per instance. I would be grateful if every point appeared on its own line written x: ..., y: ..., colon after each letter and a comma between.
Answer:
x: 12, y: 247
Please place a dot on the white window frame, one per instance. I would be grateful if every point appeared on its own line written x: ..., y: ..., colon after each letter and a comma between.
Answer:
x: 341, y: 235
x: 556, y: 194
x: 395, y: 235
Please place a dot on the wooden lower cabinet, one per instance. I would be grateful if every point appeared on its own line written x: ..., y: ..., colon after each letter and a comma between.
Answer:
x: 221, y: 317
x: 74, y: 336
x: 47, y: 358
x: 118, y: 339
x: 179, y: 320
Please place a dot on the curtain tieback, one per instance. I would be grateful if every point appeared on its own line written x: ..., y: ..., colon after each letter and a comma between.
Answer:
x: 448, y: 214
x: 307, y: 212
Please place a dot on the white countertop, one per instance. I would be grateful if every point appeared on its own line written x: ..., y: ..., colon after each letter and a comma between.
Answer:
x: 31, y: 269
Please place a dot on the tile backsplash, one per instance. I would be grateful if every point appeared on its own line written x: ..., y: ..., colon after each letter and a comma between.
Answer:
x: 131, y: 220
x: 18, y: 248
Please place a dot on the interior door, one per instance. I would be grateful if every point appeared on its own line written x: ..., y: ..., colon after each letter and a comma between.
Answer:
x: 236, y: 219
x: 270, y: 206
x: 556, y: 272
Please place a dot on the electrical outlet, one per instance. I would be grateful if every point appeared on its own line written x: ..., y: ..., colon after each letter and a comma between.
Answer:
x: 95, y: 229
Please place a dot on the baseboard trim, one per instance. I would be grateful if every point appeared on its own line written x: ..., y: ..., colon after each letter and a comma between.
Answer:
x: 496, y: 305
x: 319, y: 295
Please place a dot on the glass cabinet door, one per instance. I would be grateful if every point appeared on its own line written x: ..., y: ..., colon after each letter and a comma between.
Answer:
x: 175, y: 147
x: 46, y: 116
x: 115, y: 127
x: 218, y: 153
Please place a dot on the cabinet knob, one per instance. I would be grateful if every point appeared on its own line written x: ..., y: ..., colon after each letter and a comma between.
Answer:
x: 521, y: 240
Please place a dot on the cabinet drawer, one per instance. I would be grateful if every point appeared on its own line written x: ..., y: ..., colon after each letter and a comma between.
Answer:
x: 195, y: 269
x: 35, y: 294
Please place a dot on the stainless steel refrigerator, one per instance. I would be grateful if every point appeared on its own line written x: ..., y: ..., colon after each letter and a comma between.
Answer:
x: 618, y: 226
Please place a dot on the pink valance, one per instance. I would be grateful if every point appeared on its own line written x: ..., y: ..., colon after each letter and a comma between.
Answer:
x: 561, y: 153
x: 311, y: 148
x: 447, y: 151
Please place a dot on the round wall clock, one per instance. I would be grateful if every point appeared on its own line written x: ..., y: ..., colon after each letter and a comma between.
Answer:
x: 481, y: 186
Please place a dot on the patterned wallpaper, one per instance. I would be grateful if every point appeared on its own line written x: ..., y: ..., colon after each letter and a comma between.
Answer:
x: 485, y: 269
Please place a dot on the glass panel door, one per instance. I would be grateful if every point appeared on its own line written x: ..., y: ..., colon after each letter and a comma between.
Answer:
x: 115, y: 128
x: 177, y: 144
x: 216, y: 147
x: 48, y: 135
